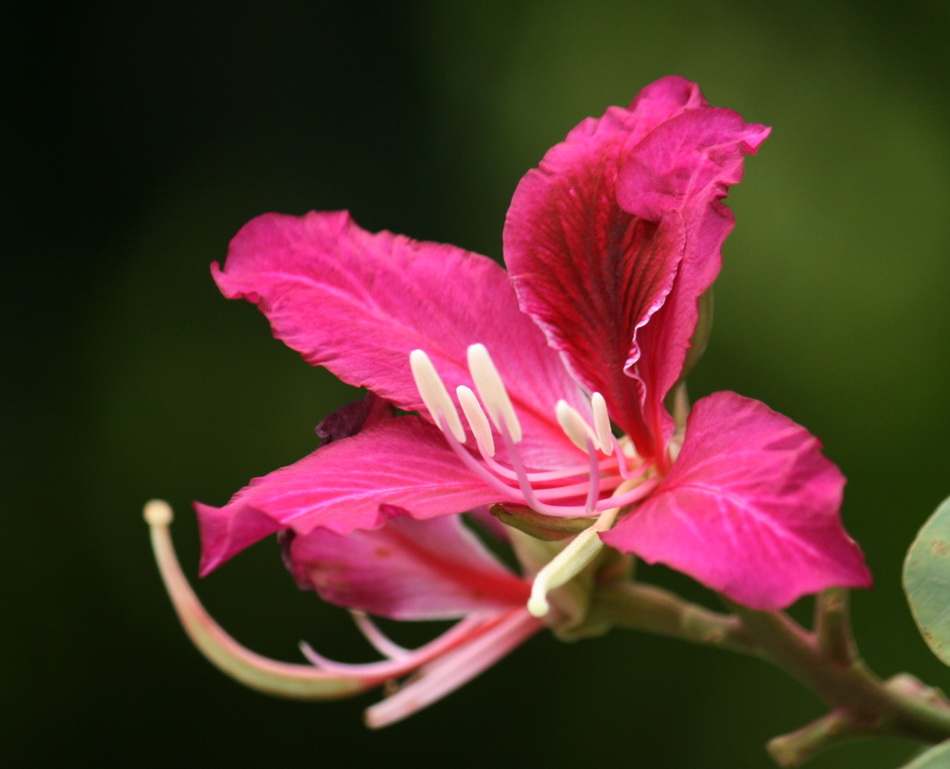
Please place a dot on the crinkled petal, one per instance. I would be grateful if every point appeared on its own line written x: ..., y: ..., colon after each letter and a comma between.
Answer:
x: 595, y: 270
x: 679, y: 175
x: 750, y: 509
x: 359, y: 303
x: 663, y: 100
x: 403, y: 462
x: 406, y: 569
x: 590, y: 273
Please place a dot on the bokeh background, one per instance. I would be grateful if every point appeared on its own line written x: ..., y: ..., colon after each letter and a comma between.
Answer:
x: 141, y: 136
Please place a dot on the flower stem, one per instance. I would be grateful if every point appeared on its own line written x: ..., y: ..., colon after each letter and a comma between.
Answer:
x: 833, y: 626
x: 861, y: 703
x: 826, y: 661
x: 799, y: 746
x: 637, y: 606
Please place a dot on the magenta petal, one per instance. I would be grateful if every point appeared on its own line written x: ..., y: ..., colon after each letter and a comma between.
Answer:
x: 750, y: 509
x: 679, y: 174
x: 587, y: 271
x: 407, y: 570
x: 226, y: 531
x: 359, y: 303
x: 403, y: 462
x: 663, y: 100
x: 622, y: 213
x: 692, y: 158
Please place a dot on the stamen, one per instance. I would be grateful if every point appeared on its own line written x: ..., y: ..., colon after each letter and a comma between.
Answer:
x: 524, y: 484
x: 452, y: 670
x: 476, y: 419
x: 492, y: 391
x: 593, y: 492
x: 574, y: 426
x: 543, y: 476
x: 639, y: 490
x: 602, y: 422
x: 638, y: 466
x: 377, y: 639
x: 434, y: 395
x: 394, y: 667
x: 524, y: 490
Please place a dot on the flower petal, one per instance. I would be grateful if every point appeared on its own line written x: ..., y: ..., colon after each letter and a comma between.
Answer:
x: 750, y: 509
x: 359, y: 303
x: 594, y: 265
x: 590, y: 273
x: 681, y: 172
x: 403, y: 462
x: 406, y: 569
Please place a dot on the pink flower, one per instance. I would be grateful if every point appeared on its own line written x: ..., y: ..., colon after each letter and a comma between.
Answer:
x: 522, y: 381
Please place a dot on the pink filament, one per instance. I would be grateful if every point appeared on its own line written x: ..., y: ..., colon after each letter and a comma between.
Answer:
x: 541, y: 499
x: 455, y: 668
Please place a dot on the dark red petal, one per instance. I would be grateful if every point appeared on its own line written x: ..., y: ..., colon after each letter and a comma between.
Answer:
x: 680, y: 173
x: 617, y: 233
x: 588, y: 272
x: 350, y: 419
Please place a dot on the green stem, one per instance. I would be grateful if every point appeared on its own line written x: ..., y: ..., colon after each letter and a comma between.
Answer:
x: 637, y: 606
x: 832, y: 729
x: 833, y: 626
x: 861, y: 703
x: 827, y: 662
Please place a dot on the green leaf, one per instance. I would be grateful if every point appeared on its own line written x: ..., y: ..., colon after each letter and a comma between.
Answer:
x: 927, y: 582
x: 938, y: 757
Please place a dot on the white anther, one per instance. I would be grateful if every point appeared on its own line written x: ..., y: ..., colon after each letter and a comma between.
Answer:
x: 492, y: 391
x: 476, y: 419
x: 434, y: 395
x: 602, y: 422
x: 574, y: 426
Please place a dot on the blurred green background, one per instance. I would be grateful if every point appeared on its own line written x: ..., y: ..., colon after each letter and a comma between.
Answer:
x: 141, y: 136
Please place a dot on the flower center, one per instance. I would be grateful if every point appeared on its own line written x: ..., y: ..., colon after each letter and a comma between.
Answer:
x: 558, y: 491
x: 611, y: 479
x: 574, y: 490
